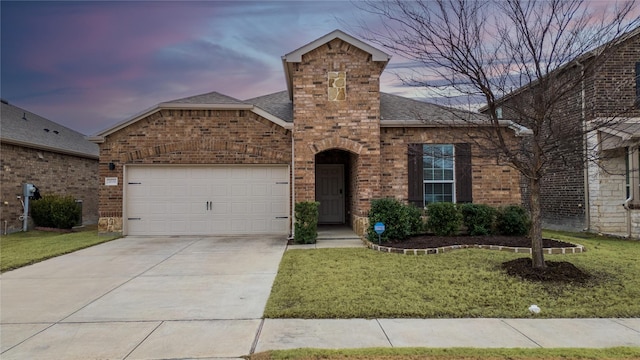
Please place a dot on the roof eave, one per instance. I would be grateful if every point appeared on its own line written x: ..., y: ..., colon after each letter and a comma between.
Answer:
x: 518, y: 129
x: 100, y: 137
x: 274, y: 119
x: 49, y: 148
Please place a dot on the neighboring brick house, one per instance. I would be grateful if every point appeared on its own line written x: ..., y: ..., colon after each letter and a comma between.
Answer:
x: 56, y: 159
x: 212, y: 164
x: 590, y: 195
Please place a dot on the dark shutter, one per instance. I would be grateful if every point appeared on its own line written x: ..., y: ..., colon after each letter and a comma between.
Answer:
x: 463, y: 173
x: 637, y: 85
x: 416, y: 189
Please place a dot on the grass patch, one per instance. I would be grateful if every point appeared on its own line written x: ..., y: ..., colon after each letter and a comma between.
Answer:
x: 24, y: 248
x: 361, y: 283
x: 452, y: 353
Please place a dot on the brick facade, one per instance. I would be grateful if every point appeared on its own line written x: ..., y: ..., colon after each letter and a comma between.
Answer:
x: 335, y: 118
x: 351, y: 125
x: 579, y: 193
x: 195, y: 137
x: 492, y: 184
x: 612, y: 95
x: 52, y: 173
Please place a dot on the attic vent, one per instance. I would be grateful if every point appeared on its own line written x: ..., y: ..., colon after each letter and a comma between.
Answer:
x: 56, y: 132
x: 46, y: 130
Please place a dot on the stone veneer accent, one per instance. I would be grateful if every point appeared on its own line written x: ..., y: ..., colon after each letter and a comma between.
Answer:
x: 520, y: 250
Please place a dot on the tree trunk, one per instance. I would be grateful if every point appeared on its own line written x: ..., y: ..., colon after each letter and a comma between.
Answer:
x: 535, y: 233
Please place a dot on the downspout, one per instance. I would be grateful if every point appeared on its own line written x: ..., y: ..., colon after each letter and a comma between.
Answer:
x: 632, y: 184
x: 585, y: 137
x: 293, y: 188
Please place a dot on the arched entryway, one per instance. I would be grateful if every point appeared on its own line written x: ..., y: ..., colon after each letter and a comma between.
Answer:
x: 335, y: 185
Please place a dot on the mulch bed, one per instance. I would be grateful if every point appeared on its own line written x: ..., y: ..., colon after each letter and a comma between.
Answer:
x: 432, y: 241
x: 555, y: 271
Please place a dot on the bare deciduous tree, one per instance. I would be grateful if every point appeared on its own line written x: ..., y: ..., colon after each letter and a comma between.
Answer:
x: 487, y: 49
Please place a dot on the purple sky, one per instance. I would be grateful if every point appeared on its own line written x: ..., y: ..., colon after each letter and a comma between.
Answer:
x: 90, y: 64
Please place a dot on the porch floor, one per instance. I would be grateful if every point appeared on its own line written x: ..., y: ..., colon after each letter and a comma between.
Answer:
x: 333, y: 236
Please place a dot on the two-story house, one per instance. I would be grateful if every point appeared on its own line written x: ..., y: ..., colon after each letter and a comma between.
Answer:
x: 212, y: 164
x: 596, y: 187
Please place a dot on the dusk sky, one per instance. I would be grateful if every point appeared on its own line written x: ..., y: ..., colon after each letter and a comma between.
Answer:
x: 90, y: 64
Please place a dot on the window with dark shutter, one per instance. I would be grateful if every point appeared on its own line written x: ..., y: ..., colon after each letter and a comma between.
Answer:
x: 431, y: 169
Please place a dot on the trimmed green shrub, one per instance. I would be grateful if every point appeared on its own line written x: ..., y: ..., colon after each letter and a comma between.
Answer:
x: 55, y: 211
x: 414, y: 216
x: 400, y: 220
x: 478, y: 218
x: 513, y: 220
x: 306, y: 226
x: 444, y: 218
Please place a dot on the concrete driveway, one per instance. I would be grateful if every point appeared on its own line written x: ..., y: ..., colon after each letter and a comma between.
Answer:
x: 141, y: 298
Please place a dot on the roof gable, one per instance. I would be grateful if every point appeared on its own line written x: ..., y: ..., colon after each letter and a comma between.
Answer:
x: 209, y: 101
x: 23, y: 128
x: 296, y: 55
x: 208, y: 98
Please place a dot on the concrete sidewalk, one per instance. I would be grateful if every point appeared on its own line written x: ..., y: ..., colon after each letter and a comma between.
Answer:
x: 280, y: 334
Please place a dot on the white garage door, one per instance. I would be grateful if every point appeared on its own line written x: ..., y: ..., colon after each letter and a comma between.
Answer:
x: 192, y: 200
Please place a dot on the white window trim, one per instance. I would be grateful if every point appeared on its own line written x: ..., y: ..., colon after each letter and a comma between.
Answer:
x: 453, y: 181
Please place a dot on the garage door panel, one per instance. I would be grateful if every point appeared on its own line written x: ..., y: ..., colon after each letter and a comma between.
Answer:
x: 207, y: 200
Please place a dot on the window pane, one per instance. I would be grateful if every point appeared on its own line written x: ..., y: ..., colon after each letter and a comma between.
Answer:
x: 448, y: 175
x: 428, y: 174
x: 438, y: 192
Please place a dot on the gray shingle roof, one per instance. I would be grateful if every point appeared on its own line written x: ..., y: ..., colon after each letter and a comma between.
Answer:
x: 40, y: 133
x: 277, y: 104
x: 392, y: 107
x: 208, y: 98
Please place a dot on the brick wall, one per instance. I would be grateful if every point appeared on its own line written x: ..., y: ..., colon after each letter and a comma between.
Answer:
x: 187, y: 137
x: 614, y: 85
x: 609, y: 93
x: 352, y: 124
x: 562, y: 197
x: 52, y: 173
x: 492, y: 184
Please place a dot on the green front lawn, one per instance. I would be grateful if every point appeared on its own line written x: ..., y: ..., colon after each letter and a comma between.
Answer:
x: 361, y: 283
x: 24, y: 248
